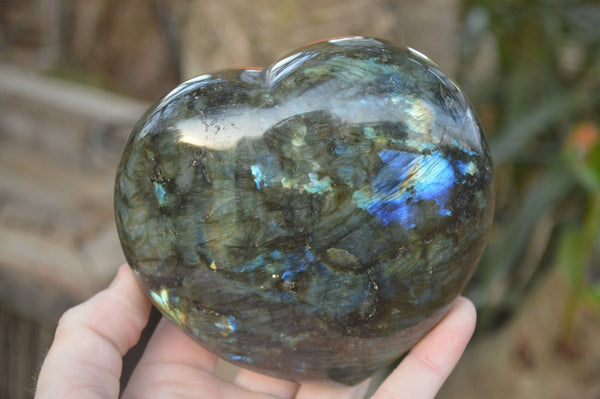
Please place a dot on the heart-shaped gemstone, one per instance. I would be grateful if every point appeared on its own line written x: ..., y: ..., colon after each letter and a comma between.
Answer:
x: 310, y: 220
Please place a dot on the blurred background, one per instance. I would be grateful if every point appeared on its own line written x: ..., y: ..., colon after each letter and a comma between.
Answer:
x: 75, y: 75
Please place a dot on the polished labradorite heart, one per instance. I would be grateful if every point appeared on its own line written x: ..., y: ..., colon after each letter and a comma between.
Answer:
x: 310, y: 220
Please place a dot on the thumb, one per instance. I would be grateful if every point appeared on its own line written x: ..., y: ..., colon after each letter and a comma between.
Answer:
x: 85, y: 358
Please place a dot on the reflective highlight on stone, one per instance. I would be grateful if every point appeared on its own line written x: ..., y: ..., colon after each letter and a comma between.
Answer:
x: 311, y: 220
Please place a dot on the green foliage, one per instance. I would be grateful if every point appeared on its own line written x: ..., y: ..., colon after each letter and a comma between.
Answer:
x: 575, y: 250
x: 577, y: 246
x: 538, y: 95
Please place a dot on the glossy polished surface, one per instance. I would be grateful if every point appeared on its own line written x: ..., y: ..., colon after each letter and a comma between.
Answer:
x: 311, y: 220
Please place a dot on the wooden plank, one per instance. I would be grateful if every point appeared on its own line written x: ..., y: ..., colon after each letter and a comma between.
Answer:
x: 63, y: 96
x: 41, y: 197
x: 58, y: 243
x: 60, y: 145
x: 38, y: 277
x: 23, y: 344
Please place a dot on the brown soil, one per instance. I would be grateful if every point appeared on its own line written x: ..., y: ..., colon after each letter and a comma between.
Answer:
x: 529, y: 359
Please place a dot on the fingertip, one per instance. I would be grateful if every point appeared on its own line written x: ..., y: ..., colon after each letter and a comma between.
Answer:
x: 467, y: 313
x: 431, y: 360
x: 123, y: 269
x: 118, y: 313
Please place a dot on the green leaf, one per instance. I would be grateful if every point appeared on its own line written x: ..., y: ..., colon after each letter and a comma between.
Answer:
x: 570, y: 256
x: 594, y: 294
x: 512, y: 139
x: 552, y: 186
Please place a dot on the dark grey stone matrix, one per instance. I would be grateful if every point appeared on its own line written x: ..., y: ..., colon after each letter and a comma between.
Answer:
x: 311, y: 220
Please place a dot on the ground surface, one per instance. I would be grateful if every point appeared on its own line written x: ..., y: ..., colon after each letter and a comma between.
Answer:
x: 527, y: 359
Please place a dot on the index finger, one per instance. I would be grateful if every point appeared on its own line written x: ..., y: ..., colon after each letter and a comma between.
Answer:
x: 85, y: 358
x: 426, y: 367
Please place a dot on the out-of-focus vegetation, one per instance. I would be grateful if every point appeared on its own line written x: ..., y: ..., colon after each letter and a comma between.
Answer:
x: 532, y: 69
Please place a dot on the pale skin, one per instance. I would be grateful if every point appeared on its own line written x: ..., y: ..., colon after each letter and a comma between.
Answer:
x: 85, y: 359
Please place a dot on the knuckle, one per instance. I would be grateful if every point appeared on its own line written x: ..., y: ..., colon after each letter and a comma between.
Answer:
x: 384, y: 393
x: 430, y: 365
x: 68, y: 317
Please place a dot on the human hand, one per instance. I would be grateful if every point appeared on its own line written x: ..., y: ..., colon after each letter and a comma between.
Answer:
x: 85, y: 359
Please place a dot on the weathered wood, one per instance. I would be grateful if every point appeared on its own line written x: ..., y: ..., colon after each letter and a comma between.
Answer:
x: 79, y: 101
x: 220, y: 34
x: 23, y: 344
x: 60, y: 145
